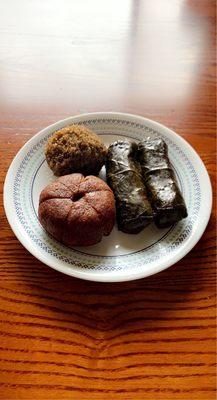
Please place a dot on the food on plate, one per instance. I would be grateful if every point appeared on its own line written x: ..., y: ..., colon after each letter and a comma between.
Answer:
x: 77, y: 210
x: 75, y: 148
x: 160, y: 181
x: 123, y: 172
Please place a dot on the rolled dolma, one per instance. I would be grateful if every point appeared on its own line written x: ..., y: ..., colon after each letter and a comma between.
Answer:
x: 160, y: 181
x: 133, y: 209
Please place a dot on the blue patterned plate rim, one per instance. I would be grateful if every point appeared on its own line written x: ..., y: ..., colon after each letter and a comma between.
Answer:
x: 198, y: 220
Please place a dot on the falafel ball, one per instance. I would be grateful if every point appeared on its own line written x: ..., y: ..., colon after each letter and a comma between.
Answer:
x: 75, y: 148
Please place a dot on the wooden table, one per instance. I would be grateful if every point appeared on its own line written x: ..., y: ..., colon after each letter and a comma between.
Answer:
x: 63, y: 338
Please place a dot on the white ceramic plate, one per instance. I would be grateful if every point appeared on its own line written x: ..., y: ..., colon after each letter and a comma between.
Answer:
x: 119, y: 257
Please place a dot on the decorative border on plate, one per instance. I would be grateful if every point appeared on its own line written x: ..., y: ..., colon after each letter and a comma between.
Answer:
x: 183, y: 235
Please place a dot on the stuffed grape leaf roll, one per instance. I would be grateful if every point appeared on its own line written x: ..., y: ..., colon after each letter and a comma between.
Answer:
x: 160, y: 181
x: 123, y: 172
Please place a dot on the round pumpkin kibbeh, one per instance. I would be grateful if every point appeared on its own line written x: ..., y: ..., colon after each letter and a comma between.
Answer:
x: 75, y: 148
x: 77, y: 210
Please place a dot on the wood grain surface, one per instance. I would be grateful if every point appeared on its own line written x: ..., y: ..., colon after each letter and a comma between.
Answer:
x: 63, y: 338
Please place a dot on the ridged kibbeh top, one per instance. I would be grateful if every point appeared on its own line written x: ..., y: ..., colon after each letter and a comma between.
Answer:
x: 75, y: 148
x: 77, y: 210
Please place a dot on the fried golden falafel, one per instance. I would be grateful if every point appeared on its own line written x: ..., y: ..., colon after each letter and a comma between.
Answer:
x: 75, y: 148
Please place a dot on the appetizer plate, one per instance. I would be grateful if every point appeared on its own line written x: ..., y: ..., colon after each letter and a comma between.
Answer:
x: 120, y: 256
